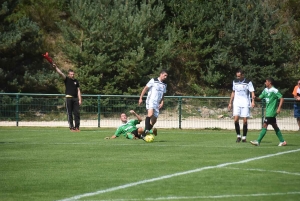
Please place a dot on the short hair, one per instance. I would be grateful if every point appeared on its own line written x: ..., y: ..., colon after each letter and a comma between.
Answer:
x: 163, y: 71
x: 270, y: 80
x: 70, y: 70
x: 240, y: 71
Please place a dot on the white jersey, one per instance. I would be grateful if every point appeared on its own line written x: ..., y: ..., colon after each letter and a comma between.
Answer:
x: 156, y: 91
x: 242, y: 91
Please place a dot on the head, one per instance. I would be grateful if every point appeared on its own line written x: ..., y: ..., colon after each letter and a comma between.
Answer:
x: 123, y: 118
x: 240, y: 74
x: 269, y: 82
x: 71, y: 73
x: 163, y: 75
x: 298, y: 83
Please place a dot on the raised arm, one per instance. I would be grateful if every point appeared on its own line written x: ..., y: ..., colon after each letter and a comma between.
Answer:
x: 135, y: 114
x: 59, y: 72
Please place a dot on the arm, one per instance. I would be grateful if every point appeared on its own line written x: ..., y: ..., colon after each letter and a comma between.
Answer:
x: 230, y: 101
x: 161, y: 102
x: 79, y: 95
x: 112, y: 137
x: 137, y: 116
x: 142, y: 94
x: 253, y: 99
x: 295, y: 93
x: 279, y: 106
x: 59, y: 71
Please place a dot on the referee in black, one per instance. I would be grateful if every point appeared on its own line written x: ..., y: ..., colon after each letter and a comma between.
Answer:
x: 73, y: 98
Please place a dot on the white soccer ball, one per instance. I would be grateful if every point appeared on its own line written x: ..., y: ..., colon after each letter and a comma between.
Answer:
x: 149, y: 138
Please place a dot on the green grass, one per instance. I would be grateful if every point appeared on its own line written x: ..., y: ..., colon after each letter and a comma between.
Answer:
x: 54, y: 164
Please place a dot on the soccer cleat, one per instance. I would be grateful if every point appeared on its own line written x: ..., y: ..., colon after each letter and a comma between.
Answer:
x: 72, y: 129
x: 238, y: 140
x: 244, y: 140
x: 146, y: 132
x: 255, y: 142
x: 154, y: 131
x: 77, y: 130
x: 282, y: 144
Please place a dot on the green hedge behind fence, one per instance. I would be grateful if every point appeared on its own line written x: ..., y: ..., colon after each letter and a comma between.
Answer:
x: 24, y: 109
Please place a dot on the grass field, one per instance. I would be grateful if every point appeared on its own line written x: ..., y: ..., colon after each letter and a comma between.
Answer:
x: 55, y: 164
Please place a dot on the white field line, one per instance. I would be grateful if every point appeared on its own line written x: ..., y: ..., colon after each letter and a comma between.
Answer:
x: 175, y: 175
x: 206, y: 197
x: 262, y: 170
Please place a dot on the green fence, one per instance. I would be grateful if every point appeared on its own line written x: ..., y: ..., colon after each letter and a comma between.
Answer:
x: 24, y: 109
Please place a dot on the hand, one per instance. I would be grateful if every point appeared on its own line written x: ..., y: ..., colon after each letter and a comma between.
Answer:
x: 107, y: 138
x: 131, y: 111
x: 140, y: 101
x: 229, y: 106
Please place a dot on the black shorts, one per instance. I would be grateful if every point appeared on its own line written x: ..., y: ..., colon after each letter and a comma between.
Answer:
x: 270, y: 120
x: 135, y: 133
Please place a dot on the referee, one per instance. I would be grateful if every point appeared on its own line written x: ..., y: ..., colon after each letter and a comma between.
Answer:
x: 73, y: 98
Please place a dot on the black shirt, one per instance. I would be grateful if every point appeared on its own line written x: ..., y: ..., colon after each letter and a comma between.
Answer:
x: 71, y: 87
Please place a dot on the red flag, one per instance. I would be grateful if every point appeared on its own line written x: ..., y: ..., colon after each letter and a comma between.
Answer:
x: 47, y: 57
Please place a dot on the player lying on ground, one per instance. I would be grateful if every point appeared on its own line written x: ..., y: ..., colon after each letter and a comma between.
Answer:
x: 128, y: 128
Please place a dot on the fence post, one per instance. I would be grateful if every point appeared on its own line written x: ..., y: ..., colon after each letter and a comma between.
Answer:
x: 17, y: 110
x: 179, y: 111
x: 99, y: 99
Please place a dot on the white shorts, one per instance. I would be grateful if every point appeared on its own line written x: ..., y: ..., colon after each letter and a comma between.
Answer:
x: 241, y: 111
x: 155, y: 108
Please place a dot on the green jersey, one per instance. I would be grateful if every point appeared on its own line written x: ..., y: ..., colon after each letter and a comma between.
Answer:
x: 127, y: 128
x: 272, y: 97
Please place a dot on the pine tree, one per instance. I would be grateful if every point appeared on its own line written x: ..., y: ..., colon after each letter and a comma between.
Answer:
x: 21, y: 66
x: 251, y: 39
x: 116, y: 45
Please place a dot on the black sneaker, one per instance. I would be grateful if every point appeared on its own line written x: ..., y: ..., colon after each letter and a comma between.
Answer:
x: 238, y: 140
x: 244, y: 140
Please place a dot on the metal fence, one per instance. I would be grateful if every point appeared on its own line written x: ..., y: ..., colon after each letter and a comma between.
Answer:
x: 24, y: 109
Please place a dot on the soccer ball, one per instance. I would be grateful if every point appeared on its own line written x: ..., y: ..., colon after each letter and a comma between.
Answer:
x: 149, y: 138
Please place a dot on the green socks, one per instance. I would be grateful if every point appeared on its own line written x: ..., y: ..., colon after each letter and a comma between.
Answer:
x: 262, y: 134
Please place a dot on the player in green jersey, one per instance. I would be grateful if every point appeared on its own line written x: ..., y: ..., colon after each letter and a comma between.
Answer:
x: 128, y: 128
x: 271, y: 96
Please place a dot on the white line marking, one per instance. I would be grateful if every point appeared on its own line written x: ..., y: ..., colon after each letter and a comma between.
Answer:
x: 174, y: 175
x: 207, y: 197
x: 262, y: 170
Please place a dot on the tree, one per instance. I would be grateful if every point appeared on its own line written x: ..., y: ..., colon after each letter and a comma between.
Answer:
x: 116, y: 45
x: 254, y: 40
x: 21, y: 67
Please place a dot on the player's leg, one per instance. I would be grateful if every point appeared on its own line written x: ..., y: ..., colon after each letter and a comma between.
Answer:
x: 76, y: 113
x: 69, y: 107
x: 298, y: 122
x: 278, y: 132
x: 245, y: 113
x: 236, y: 116
x: 148, y: 125
x: 262, y: 132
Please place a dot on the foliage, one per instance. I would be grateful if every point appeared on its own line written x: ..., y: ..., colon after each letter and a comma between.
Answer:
x: 116, y: 46
x: 21, y: 41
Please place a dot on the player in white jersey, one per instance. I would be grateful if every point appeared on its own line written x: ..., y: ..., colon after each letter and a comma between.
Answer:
x: 155, y: 99
x: 240, y: 97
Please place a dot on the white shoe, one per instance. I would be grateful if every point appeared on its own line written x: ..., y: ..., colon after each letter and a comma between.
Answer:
x: 255, y: 142
x: 282, y: 144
